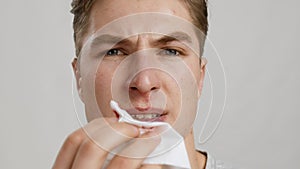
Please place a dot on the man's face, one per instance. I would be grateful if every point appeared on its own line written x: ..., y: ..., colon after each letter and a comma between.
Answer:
x: 154, y: 76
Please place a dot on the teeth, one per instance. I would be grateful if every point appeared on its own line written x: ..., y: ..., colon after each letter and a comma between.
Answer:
x: 144, y: 116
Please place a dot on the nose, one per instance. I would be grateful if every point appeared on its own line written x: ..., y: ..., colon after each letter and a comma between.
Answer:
x: 145, y: 82
x: 142, y: 85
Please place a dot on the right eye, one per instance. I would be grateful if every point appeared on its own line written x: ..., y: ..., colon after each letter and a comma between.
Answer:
x: 169, y: 52
x: 114, y: 52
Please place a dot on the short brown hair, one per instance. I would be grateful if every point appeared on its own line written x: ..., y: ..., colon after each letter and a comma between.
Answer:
x: 81, y: 10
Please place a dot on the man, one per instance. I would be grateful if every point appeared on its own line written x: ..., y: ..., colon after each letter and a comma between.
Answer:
x: 146, y: 55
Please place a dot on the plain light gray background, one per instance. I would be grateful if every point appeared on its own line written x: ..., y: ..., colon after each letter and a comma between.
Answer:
x: 258, y: 42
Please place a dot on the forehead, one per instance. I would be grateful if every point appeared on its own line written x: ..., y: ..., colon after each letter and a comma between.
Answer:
x: 158, y: 27
x: 105, y: 11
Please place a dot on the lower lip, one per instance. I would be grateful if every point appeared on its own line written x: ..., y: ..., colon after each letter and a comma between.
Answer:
x: 157, y: 119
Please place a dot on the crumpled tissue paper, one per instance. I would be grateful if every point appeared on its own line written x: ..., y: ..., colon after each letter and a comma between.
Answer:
x: 171, y: 151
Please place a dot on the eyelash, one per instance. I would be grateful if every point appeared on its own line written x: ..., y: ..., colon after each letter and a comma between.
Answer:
x: 162, y: 52
x: 170, y: 52
x: 114, y: 54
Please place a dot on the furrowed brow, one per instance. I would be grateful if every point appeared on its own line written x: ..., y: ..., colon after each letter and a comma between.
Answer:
x: 107, y: 39
x: 114, y: 40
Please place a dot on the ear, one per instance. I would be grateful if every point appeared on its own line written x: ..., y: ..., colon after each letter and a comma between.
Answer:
x: 202, y: 75
x: 75, y: 66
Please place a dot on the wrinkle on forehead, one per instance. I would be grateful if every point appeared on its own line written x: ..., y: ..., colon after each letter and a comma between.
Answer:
x: 155, y: 38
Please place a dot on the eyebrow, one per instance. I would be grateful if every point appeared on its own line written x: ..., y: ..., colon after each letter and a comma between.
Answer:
x: 108, y: 39
x: 175, y: 36
x: 112, y: 39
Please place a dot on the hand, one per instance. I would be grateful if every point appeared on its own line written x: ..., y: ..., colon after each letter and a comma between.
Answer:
x: 81, y: 149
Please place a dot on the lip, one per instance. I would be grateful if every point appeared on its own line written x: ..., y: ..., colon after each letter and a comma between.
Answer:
x: 161, y: 118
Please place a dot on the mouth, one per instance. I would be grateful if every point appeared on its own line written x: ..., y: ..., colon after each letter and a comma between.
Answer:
x: 151, y: 115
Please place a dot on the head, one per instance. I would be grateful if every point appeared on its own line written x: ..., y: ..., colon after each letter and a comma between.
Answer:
x: 128, y: 71
x: 81, y: 9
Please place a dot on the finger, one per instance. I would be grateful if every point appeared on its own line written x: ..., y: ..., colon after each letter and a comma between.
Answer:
x: 99, y: 123
x: 134, y: 154
x: 68, y: 151
x: 93, y: 151
x: 71, y: 145
x: 153, y: 166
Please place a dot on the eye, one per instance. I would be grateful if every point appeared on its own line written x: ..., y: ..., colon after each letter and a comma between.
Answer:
x: 114, y: 52
x: 169, y: 52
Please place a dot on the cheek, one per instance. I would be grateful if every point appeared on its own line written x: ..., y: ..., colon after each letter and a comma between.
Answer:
x: 102, y: 83
x: 194, y: 66
x: 103, y: 79
x: 172, y: 91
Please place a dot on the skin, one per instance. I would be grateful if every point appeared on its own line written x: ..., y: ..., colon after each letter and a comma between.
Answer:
x: 80, y: 149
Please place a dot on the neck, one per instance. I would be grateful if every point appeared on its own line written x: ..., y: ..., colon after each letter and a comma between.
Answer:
x: 197, y: 159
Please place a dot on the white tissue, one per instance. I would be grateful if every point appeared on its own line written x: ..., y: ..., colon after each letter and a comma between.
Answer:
x: 176, y: 155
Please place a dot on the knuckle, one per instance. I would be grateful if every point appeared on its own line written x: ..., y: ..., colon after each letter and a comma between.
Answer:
x: 128, y: 130
x: 75, y: 138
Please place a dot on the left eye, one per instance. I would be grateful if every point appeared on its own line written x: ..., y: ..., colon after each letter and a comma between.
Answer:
x: 114, y: 52
x: 169, y: 52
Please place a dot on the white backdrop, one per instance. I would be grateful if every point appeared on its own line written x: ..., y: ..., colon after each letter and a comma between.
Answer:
x: 258, y: 42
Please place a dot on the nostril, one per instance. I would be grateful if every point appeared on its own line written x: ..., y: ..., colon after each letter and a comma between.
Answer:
x: 133, y: 88
x: 153, y: 88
